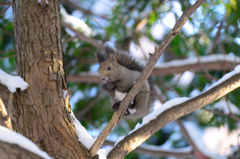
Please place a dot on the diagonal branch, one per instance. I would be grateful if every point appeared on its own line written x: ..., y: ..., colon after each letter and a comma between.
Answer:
x: 161, y: 152
x: 83, y: 37
x: 176, y: 111
x: 143, y: 77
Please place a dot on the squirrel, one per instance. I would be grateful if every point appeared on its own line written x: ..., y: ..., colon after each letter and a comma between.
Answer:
x: 119, y: 71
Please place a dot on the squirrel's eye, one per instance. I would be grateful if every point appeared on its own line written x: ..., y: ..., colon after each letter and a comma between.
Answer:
x: 109, y: 68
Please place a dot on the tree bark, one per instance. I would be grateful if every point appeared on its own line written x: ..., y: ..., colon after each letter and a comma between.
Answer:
x: 13, y: 151
x: 40, y: 112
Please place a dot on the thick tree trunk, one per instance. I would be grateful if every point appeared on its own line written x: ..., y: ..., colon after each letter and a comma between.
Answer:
x: 40, y: 112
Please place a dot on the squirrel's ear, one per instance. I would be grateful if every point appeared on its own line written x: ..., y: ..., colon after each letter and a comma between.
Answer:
x: 101, y: 57
x: 113, y: 59
x: 109, y: 50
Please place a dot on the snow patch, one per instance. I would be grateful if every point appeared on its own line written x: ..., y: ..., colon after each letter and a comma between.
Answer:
x: 12, y: 82
x: 12, y: 137
x: 169, y: 104
x: 75, y: 23
x: 85, y: 138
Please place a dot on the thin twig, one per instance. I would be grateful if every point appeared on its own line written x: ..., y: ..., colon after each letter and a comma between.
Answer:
x: 5, y: 3
x: 189, y: 139
x: 85, y: 11
x: 90, y: 105
x: 209, y: 77
x: 233, y: 116
x: 6, y: 51
x: 83, y: 37
x: 5, y: 10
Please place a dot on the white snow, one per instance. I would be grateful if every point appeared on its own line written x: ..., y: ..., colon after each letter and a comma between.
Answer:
x: 75, y: 23
x: 119, y: 95
x: 203, y: 59
x: 12, y: 82
x: 225, y: 77
x: 224, y: 106
x: 85, y: 138
x: 12, y: 137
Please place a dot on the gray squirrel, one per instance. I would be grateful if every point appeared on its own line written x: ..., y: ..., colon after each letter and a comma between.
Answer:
x: 119, y: 71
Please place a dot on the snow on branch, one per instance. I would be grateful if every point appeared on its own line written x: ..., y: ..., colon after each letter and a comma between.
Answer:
x: 211, y: 63
x: 12, y: 137
x: 75, y: 23
x: 177, y: 108
x: 85, y: 138
x: 202, y: 59
x: 12, y: 82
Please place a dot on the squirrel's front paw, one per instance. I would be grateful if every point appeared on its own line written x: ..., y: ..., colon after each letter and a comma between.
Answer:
x: 115, y: 106
x: 110, y: 86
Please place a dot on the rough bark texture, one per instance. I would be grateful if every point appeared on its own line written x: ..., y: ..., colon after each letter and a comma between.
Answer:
x: 13, y: 151
x: 40, y: 112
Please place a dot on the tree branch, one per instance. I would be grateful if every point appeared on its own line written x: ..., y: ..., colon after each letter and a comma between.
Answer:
x: 85, y: 11
x: 12, y: 151
x: 83, y: 37
x: 159, y: 152
x: 162, y: 71
x: 143, y: 77
x: 142, y: 134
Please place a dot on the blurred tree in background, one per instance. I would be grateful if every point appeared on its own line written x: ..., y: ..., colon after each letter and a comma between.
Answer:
x: 138, y: 26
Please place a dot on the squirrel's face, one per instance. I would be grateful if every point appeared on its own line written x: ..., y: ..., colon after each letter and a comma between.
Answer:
x: 109, y: 70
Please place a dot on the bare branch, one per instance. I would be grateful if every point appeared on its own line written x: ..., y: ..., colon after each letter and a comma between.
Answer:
x: 143, y: 77
x: 157, y: 151
x: 5, y: 3
x: 10, y: 151
x: 158, y: 71
x: 85, y: 11
x: 83, y: 37
x: 5, y: 10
